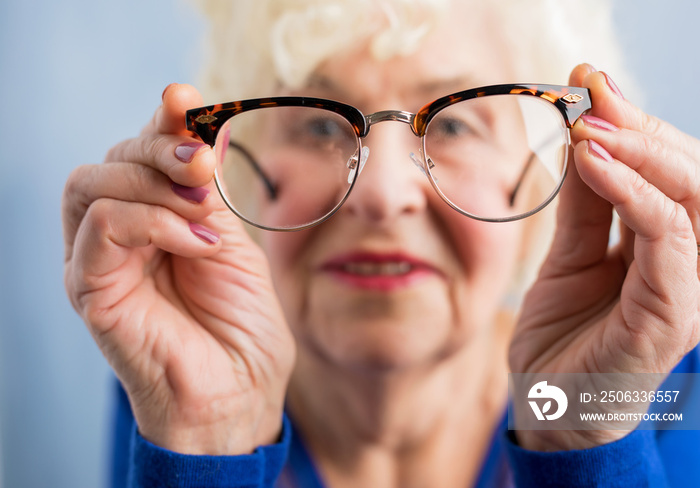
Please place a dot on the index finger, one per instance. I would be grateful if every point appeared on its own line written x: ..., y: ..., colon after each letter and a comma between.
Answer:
x: 169, y: 117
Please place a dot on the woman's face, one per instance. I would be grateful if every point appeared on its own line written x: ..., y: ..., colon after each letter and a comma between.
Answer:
x: 396, y: 278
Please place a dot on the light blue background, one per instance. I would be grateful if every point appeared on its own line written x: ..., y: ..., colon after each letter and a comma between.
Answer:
x: 76, y: 76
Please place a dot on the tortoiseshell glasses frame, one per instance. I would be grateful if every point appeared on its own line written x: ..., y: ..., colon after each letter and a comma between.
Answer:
x: 570, y: 102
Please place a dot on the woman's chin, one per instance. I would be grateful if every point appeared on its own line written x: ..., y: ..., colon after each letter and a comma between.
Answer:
x: 376, y: 347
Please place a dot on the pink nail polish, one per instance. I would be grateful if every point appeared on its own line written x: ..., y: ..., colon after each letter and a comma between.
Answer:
x: 193, y: 194
x: 598, y: 123
x: 598, y: 151
x: 185, y: 152
x: 207, y: 235
x: 613, y: 86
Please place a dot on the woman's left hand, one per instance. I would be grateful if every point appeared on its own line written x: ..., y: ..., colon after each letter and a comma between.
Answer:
x: 634, y: 308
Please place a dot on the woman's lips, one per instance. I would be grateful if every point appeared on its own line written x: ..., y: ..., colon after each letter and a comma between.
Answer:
x: 380, y: 272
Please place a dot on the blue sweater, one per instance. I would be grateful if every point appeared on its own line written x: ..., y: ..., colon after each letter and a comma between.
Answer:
x: 644, y: 458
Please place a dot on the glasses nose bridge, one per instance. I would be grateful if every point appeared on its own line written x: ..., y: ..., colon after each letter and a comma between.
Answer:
x: 391, y: 116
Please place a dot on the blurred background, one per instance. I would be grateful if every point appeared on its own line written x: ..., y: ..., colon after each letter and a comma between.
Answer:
x: 76, y: 76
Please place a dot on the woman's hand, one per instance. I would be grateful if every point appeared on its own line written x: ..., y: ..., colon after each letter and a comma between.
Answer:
x: 175, y: 293
x: 633, y: 308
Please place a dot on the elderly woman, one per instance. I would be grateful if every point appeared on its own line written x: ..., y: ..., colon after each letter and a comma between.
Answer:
x: 372, y: 347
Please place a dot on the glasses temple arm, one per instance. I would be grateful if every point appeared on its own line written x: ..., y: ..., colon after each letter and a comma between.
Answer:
x: 526, y: 168
x: 511, y: 200
x: 267, y: 181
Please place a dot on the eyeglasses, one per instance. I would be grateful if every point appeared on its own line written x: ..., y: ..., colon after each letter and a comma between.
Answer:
x: 496, y: 153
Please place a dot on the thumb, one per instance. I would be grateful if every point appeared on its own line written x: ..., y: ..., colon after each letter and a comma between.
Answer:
x: 169, y: 118
x: 579, y: 73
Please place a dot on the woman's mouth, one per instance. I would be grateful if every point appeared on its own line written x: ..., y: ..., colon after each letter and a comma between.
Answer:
x: 378, y: 271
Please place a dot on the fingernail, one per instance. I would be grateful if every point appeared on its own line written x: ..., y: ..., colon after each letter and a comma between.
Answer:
x: 599, y: 151
x: 598, y: 123
x: 193, y: 194
x: 613, y: 86
x: 207, y: 235
x: 162, y: 97
x: 185, y: 152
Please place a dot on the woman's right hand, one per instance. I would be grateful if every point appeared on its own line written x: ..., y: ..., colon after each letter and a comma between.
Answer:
x: 175, y: 293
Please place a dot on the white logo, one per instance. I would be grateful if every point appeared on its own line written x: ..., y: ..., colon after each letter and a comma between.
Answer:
x: 551, y: 392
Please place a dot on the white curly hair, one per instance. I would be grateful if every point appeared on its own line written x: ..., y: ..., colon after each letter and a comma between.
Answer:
x: 256, y: 45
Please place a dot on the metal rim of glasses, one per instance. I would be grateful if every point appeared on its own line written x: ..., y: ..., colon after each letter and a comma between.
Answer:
x: 564, y: 170
x: 220, y: 187
x: 433, y: 183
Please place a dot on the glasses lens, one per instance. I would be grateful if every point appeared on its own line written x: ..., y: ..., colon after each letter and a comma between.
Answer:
x: 498, y: 157
x: 286, y: 167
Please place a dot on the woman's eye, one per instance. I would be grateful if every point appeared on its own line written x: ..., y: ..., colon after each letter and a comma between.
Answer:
x: 323, y: 128
x: 451, y: 127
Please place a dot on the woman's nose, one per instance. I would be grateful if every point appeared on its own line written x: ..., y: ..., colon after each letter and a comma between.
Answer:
x: 390, y: 185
